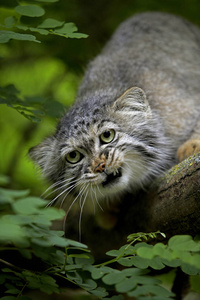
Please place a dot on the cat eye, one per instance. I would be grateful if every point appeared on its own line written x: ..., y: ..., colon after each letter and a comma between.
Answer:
x: 74, y: 157
x: 107, y: 136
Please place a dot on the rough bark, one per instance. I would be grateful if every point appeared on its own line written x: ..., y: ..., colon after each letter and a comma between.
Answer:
x: 171, y: 205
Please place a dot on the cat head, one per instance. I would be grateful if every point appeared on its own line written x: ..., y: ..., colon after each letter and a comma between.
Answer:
x: 102, y: 150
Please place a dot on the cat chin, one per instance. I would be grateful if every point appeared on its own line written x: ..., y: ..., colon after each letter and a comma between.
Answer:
x: 118, y: 186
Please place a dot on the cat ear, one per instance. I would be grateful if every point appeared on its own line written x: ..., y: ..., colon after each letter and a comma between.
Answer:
x: 42, y: 154
x: 133, y: 101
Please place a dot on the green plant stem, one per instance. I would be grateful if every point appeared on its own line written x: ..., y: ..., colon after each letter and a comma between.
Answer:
x: 75, y: 283
x: 20, y: 293
x: 139, y: 238
x: 10, y: 265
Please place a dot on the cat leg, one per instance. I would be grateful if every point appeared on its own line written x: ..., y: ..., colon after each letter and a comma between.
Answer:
x: 191, y: 146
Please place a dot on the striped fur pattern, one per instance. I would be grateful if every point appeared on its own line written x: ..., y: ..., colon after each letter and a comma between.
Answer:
x: 135, y: 156
x: 138, y: 102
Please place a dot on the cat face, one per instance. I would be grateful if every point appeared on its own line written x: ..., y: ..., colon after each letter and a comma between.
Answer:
x: 102, y: 151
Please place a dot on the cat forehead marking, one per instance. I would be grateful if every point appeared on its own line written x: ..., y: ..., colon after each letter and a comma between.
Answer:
x: 85, y: 138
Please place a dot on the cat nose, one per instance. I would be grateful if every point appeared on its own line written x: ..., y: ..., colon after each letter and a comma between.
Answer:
x: 100, y: 167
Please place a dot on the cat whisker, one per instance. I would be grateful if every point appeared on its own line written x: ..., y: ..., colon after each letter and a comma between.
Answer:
x: 80, y: 192
x: 99, y: 190
x: 81, y: 212
x: 95, y: 194
x: 92, y: 197
x: 67, y: 182
x: 69, y: 189
x: 59, y: 182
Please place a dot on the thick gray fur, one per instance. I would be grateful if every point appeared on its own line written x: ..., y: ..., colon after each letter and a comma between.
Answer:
x: 160, y: 55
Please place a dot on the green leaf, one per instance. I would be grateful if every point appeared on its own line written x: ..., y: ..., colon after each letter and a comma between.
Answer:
x: 33, y: 29
x: 156, y: 263
x: 51, y: 214
x: 76, y: 244
x: 28, y: 206
x: 150, y: 289
x: 85, y: 261
x: 6, y: 36
x: 113, y: 277
x: 124, y: 250
x: 183, y: 243
x: 10, y: 21
x: 138, y: 262
x: 13, y: 233
x: 54, y: 109
x: 31, y: 107
x: 50, y: 23
x: 43, y: 282
x: 188, y: 269
x: 98, y: 272
x: 99, y: 292
x: 12, y: 291
x: 89, y: 284
x: 126, y: 285
x: 69, y: 31
x: 30, y: 10
x: 48, y: 284
x: 15, y: 193
x: 145, y: 252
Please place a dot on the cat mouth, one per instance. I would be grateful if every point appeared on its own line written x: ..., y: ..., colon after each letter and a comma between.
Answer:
x: 111, y: 178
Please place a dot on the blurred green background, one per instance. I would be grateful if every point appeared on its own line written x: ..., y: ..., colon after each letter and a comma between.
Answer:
x: 54, y: 69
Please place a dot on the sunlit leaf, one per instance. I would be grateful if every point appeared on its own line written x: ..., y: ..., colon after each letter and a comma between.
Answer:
x: 183, y: 243
x: 145, y: 252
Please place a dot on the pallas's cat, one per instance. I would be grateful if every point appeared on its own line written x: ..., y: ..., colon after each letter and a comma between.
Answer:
x: 136, y: 113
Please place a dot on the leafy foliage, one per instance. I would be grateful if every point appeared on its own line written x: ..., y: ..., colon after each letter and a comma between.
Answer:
x: 33, y: 108
x: 48, y: 26
x: 39, y: 257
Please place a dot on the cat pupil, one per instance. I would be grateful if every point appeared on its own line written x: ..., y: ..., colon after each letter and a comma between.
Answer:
x: 73, y: 154
x: 107, y: 134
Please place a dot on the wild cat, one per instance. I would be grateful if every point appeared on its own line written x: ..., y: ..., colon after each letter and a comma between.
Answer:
x: 136, y: 113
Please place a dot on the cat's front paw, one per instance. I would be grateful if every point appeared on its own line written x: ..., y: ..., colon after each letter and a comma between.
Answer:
x: 188, y: 148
